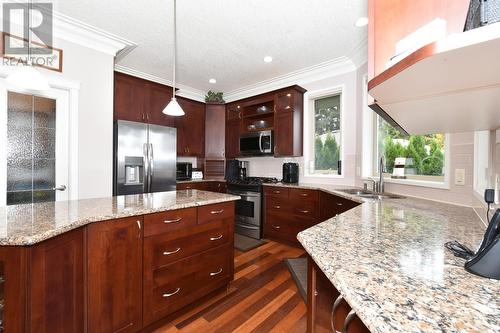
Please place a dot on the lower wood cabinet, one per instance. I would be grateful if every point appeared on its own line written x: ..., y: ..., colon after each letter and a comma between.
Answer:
x: 213, y: 186
x: 327, y: 310
x: 289, y: 211
x: 115, y: 275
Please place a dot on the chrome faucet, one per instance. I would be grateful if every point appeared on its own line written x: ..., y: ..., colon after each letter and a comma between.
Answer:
x: 381, y: 185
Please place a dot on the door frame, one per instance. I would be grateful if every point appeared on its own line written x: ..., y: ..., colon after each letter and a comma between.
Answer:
x: 59, y: 85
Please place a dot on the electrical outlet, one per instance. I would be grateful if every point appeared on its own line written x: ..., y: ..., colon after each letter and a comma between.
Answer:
x: 460, y: 177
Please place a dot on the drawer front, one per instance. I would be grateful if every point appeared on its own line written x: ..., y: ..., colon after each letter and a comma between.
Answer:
x: 344, y: 204
x: 215, y: 212
x: 158, y: 223
x: 276, y: 192
x: 301, y: 195
x: 305, y: 209
x: 165, y: 250
x: 278, y: 205
x: 284, y: 227
x: 193, y: 186
x: 181, y: 283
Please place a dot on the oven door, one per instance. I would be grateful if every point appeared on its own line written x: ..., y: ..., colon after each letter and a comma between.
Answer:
x: 247, y: 208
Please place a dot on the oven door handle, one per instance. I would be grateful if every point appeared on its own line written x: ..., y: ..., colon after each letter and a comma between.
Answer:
x: 260, y: 142
x: 247, y: 227
x: 246, y: 194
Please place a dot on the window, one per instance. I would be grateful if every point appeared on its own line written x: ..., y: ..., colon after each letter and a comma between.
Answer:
x: 327, y: 135
x: 420, y: 157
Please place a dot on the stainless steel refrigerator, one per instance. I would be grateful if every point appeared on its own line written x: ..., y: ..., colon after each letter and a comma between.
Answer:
x: 145, y: 158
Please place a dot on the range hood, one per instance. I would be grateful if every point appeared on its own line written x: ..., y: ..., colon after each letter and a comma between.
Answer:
x: 451, y: 85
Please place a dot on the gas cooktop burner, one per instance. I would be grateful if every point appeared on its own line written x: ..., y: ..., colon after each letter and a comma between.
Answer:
x: 253, y: 181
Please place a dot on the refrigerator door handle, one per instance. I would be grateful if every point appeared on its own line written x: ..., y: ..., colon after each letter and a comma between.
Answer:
x: 145, y: 152
x: 151, y: 162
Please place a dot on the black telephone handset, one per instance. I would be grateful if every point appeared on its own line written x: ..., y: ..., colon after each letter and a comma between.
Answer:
x: 486, y: 261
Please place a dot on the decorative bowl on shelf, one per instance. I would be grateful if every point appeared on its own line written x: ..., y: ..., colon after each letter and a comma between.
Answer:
x: 262, y: 109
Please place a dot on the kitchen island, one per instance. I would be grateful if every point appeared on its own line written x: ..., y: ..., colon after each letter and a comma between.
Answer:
x: 113, y: 264
x: 387, y: 261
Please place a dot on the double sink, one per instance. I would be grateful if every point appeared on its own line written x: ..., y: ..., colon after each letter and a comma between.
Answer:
x: 371, y: 195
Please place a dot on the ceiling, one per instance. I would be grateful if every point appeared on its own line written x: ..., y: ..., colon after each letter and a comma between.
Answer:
x: 226, y: 39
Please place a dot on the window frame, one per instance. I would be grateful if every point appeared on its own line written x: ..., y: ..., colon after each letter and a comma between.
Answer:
x: 370, y: 151
x: 309, y: 130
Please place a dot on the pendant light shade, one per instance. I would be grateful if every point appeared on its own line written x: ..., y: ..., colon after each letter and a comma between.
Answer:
x: 26, y: 76
x: 173, y: 108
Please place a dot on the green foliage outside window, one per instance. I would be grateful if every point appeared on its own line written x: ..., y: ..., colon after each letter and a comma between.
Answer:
x: 326, y: 127
x: 426, y: 151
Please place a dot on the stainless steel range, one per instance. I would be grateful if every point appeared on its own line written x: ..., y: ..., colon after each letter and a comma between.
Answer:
x: 249, y: 208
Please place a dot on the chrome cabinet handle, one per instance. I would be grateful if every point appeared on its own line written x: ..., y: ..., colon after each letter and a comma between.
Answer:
x: 277, y: 207
x: 304, y: 211
x: 139, y: 226
x: 339, y: 203
x: 276, y: 192
x: 214, y: 212
x: 171, y: 294
x: 216, y: 273
x: 304, y: 194
x: 350, y: 316
x: 276, y: 226
x: 173, y: 221
x: 59, y: 188
x: 167, y: 253
x: 216, y: 238
x: 335, y: 306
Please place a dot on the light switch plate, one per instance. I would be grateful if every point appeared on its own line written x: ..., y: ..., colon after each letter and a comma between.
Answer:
x: 460, y: 177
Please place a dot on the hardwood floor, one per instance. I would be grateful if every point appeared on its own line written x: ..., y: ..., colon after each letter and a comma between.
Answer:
x: 262, y: 298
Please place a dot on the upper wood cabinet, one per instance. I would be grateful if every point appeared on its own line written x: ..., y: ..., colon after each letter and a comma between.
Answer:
x: 191, y: 128
x: 215, y: 127
x: 140, y: 100
x: 280, y: 111
x: 115, y: 275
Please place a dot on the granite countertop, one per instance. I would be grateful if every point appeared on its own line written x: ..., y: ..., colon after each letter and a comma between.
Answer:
x: 387, y: 258
x: 32, y: 223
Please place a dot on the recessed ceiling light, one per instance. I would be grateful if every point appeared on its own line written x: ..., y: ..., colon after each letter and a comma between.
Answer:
x: 212, y: 81
x: 361, y: 22
x: 268, y: 59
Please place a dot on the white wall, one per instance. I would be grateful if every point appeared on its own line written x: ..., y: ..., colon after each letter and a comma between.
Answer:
x: 94, y: 71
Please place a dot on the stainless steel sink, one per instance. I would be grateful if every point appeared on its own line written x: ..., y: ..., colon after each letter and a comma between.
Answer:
x: 371, y: 195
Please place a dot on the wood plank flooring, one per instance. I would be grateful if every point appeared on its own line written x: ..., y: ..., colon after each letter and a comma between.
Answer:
x: 262, y: 298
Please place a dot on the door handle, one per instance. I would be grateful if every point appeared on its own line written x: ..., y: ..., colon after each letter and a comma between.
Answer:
x: 304, y: 211
x: 151, y: 161
x: 214, y: 212
x: 167, y: 253
x: 145, y: 156
x: 59, y: 188
x: 173, y: 221
x: 276, y: 226
x: 216, y: 238
x: 172, y: 294
x: 216, y: 273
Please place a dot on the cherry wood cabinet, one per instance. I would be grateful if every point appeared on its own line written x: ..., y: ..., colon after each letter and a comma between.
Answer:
x: 390, y: 21
x: 215, y: 128
x: 159, y: 97
x: 115, y: 275
x: 288, y: 211
x: 131, y: 96
x: 56, y: 299
x: 288, y: 122
x: 213, y: 186
x: 327, y: 311
x: 191, y: 128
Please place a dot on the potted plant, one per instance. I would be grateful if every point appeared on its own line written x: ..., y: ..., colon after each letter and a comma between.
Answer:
x: 214, y: 97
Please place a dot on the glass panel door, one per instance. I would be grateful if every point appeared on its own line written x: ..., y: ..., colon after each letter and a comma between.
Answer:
x: 31, y: 148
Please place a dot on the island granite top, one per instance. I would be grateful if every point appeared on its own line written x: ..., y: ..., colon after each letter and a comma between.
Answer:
x: 32, y: 223
x: 387, y: 258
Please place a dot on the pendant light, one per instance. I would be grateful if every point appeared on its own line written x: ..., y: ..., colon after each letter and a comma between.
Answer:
x: 173, y: 108
x: 26, y: 76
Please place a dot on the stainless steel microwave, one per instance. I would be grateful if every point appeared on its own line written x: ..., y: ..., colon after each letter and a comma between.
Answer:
x: 257, y: 143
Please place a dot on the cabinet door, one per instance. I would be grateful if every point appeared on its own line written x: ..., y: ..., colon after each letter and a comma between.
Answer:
x: 159, y: 97
x: 115, y: 275
x: 215, y: 126
x: 191, y: 128
x: 283, y: 134
x: 233, y: 138
x: 57, y: 306
x: 13, y: 288
x: 130, y: 98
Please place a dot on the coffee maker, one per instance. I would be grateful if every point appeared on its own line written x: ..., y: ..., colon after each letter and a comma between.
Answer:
x: 242, y: 170
x: 290, y: 173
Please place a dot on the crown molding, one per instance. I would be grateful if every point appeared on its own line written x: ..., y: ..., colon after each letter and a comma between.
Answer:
x: 359, y: 55
x: 184, y: 91
x: 302, y: 76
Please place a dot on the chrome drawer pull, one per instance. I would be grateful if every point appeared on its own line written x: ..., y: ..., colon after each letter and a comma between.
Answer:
x: 216, y: 238
x: 172, y: 294
x: 173, y: 221
x: 217, y: 211
x: 276, y: 192
x: 276, y: 226
x: 304, y: 211
x: 167, y: 253
x: 216, y: 273
x: 304, y: 194
x: 277, y: 207
x: 338, y: 203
